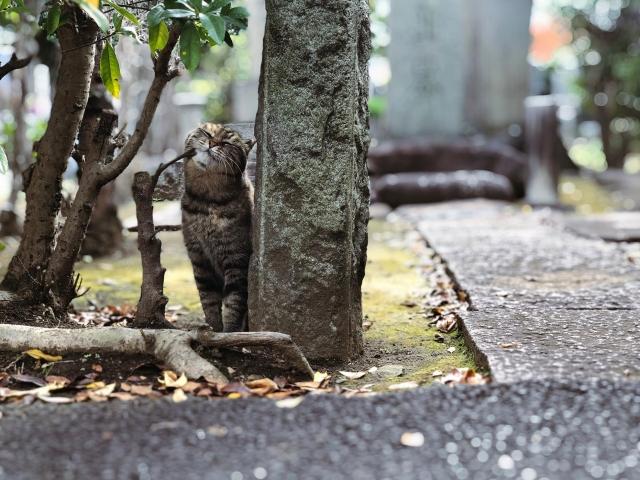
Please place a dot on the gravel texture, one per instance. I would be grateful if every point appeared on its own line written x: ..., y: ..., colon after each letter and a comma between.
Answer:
x: 546, y: 302
x: 531, y: 430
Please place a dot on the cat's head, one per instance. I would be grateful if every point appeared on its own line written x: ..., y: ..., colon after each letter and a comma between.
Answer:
x: 218, y: 149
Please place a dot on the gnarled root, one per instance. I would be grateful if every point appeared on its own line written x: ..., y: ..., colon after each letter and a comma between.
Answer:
x: 172, y: 347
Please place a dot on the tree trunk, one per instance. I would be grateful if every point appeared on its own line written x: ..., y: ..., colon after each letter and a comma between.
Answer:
x: 104, y: 234
x: 77, y: 40
x: 152, y: 303
x: 96, y: 135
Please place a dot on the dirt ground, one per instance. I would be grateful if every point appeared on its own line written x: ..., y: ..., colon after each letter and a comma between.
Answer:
x: 402, y: 292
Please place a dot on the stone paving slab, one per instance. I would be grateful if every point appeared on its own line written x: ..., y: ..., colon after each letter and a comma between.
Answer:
x: 572, y: 303
x: 612, y: 227
x: 540, y: 430
x: 556, y: 343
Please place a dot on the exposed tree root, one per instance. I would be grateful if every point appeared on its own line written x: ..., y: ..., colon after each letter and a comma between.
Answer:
x: 172, y: 347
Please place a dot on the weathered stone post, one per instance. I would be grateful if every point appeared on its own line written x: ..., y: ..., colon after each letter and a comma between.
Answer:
x: 310, y: 225
x: 458, y: 66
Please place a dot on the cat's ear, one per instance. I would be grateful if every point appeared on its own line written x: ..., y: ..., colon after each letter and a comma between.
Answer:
x: 250, y: 143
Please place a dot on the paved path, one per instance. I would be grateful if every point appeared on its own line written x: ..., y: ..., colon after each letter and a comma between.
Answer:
x: 569, y: 302
x: 566, y: 306
x: 529, y: 431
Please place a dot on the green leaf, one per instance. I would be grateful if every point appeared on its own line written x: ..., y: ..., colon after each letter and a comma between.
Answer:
x: 4, y: 4
x: 2, y: 246
x: 53, y: 20
x: 239, y: 23
x: 4, y: 163
x: 94, y: 14
x: 238, y: 12
x: 190, y: 47
x: 178, y: 13
x: 178, y: 4
x: 195, y: 4
x: 110, y: 70
x: 117, y: 21
x: 227, y: 39
x: 214, y: 25
x: 216, y: 4
x: 124, y: 12
x: 158, y: 36
x: 155, y: 16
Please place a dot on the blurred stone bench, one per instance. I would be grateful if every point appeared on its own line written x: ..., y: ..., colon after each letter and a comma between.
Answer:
x: 427, y: 171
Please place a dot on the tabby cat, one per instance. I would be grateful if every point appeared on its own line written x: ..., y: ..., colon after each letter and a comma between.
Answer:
x: 217, y: 206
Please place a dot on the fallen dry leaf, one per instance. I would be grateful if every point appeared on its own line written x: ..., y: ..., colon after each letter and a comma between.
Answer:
x: 95, y: 385
x: 178, y: 395
x: 125, y: 396
x: 437, y: 373
x: 451, y: 349
x: 19, y: 377
x: 353, y: 375
x: 96, y: 367
x: 57, y: 379
x: 292, y: 402
x: 104, y: 391
x: 404, y: 386
x: 190, y: 386
x: 448, y: 323
x: 412, y: 439
x: 40, y: 355
x: 50, y: 399
x: 171, y: 379
x: 308, y: 385
x: 320, y: 377
x: 141, y: 390
x: 262, y: 386
x: 509, y: 345
x: 464, y: 376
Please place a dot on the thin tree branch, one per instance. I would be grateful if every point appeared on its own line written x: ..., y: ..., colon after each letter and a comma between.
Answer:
x: 14, y: 63
x: 163, y: 74
x: 164, y: 166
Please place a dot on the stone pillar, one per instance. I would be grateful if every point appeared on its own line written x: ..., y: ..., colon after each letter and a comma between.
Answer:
x: 457, y: 66
x: 428, y: 51
x: 310, y: 224
x: 543, y: 147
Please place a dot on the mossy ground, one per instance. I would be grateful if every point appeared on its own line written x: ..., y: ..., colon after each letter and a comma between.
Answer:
x: 393, y: 291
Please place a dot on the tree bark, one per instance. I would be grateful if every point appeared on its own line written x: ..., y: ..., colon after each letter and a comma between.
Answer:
x: 96, y: 173
x: 151, y: 306
x: 26, y: 270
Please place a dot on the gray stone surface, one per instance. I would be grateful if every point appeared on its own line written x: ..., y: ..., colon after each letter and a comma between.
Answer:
x: 612, y: 227
x: 531, y: 430
x: 570, y: 304
x: 466, y: 67
x: 311, y: 182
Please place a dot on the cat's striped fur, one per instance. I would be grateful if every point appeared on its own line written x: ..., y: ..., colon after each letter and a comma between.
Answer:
x: 216, y: 222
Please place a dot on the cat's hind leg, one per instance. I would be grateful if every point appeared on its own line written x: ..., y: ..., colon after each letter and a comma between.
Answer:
x: 235, y: 294
x: 210, y: 286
